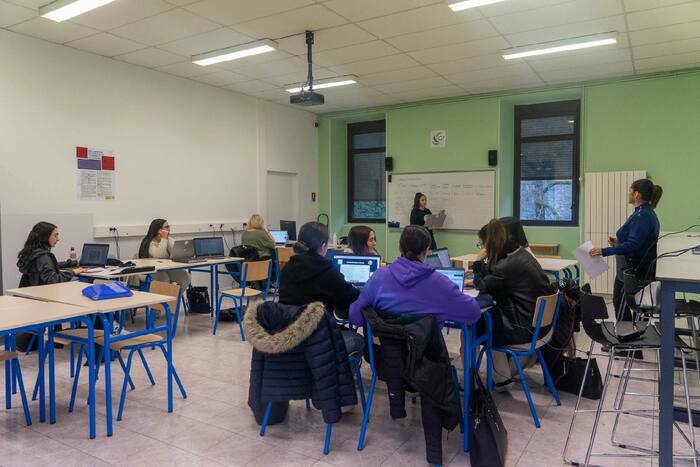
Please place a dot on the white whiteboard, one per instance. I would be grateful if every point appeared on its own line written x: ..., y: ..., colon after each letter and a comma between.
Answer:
x: 469, y: 198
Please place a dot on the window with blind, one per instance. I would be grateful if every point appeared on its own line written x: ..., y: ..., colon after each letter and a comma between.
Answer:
x: 366, y: 180
x: 547, y: 163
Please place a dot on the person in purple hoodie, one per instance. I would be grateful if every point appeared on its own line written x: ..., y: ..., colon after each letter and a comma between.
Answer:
x: 408, y: 285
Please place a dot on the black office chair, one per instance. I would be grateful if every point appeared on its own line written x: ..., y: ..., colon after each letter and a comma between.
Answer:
x: 594, y: 313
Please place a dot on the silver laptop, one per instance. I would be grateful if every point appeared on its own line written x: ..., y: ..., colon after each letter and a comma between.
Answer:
x: 183, y: 252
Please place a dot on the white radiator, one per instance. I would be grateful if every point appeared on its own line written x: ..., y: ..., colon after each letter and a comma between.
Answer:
x: 606, y: 209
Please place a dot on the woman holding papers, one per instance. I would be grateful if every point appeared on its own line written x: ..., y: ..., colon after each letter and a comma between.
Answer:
x: 634, y: 244
x: 418, y: 213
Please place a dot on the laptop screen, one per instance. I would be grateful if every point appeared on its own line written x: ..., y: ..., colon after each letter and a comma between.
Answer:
x: 291, y: 228
x: 94, y: 254
x: 209, y: 246
x: 455, y: 275
x: 356, y: 269
x: 434, y: 260
x: 280, y: 236
x: 444, y: 255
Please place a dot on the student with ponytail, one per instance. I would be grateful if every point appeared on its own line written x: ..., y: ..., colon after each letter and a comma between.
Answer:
x: 634, y: 244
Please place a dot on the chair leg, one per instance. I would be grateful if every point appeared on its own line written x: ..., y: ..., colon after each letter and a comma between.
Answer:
x: 327, y: 442
x: 578, y: 404
x: 268, y: 409
x: 8, y: 384
x: 526, y: 389
x: 308, y: 404
x: 72, y: 359
x: 365, y: 418
x: 218, y: 310
x: 620, y: 396
x: 30, y: 344
x: 239, y: 315
x: 78, y: 366
x: 123, y: 365
x: 689, y: 410
x: 122, y: 399
x: 23, y: 395
x: 548, y: 377
x: 145, y: 367
x: 358, y: 376
x: 175, y: 375
x: 600, y: 407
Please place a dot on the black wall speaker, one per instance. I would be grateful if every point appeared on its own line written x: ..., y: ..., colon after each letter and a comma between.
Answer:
x: 389, y: 164
x: 493, y: 158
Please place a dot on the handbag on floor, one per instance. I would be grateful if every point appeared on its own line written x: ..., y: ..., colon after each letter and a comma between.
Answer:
x: 198, y: 298
x: 489, y: 438
x: 572, y: 374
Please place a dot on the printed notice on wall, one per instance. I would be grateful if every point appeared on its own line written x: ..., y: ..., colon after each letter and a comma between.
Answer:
x: 96, y: 173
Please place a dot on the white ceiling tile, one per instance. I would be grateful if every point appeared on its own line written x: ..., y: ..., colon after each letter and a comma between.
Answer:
x: 509, y: 7
x: 300, y: 77
x: 588, y: 72
x: 492, y: 45
x: 165, y: 27
x: 391, y: 62
x: 673, y: 32
x: 184, y: 69
x: 358, y: 10
x: 412, y: 85
x: 251, y: 86
x: 12, y: 14
x: 429, y: 93
x: 572, y: 60
x: 420, y: 19
x: 465, y: 65
x: 312, y: 18
x: 121, y: 12
x: 502, y: 84
x: 150, y: 57
x: 52, y: 31
x: 456, y: 33
x: 667, y: 48
x: 274, y: 68
x: 105, y: 44
x: 585, y: 28
x: 354, y: 53
x: 557, y: 15
x: 682, y: 13
x: 637, y: 5
x: 326, y: 39
x: 237, y: 11
x: 182, y: 2
x: 221, y: 78
x: 33, y: 4
x: 206, y: 42
x: 518, y: 70
x: 668, y: 62
x: 394, y: 76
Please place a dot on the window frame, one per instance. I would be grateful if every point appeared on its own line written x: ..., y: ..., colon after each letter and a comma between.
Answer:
x: 549, y: 109
x: 375, y: 126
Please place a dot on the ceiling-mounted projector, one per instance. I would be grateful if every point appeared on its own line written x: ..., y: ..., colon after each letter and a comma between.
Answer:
x: 307, y: 96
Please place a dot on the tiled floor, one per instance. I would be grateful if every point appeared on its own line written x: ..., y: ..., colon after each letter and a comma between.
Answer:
x: 214, y: 426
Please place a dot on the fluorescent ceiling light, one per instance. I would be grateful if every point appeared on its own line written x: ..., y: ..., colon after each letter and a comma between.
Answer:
x: 233, y: 53
x: 560, y: 46
x: 62, y: 10
x: 327, y: 83
x: 467, y: 4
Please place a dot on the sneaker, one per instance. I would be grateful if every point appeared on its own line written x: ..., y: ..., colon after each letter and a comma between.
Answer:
x: 503, y: 386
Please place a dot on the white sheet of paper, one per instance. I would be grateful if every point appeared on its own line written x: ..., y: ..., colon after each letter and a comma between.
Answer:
x: 593, y: 265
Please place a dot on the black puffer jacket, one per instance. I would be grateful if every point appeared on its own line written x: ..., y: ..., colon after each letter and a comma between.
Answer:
x: 41, y: 268
x: 514, y: 282
x: 413, y: 356
x: 298, y: 353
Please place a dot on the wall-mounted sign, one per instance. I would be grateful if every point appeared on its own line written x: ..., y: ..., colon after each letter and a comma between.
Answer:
x: 438, y: 138
x: 96, y: 173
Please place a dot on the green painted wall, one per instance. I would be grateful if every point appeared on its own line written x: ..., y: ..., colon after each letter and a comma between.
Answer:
x: 650, y: 123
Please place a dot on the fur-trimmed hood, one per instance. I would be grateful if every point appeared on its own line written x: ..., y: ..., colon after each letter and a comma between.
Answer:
x: 273, y: 328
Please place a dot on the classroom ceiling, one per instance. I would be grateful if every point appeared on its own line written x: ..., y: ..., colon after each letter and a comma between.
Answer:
x: 400, y: 50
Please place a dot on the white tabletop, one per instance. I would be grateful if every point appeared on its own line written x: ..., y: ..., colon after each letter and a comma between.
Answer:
x: 16, y: 312
x: 162, y: 265
x: 685, y: 267
x: 72, y: 293
x: 553, y: 264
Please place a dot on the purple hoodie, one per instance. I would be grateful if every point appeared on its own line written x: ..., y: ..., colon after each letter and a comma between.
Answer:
x: 412, y: 286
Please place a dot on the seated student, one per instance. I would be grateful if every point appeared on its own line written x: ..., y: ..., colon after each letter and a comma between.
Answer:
x: 514, y: 229
x: 410, y: 285
x: 257, y: 236
x: 310, y: 277
x: 36, y: 262
x: 362, y: 241
x: 515, y: 280
x: 158, y: 244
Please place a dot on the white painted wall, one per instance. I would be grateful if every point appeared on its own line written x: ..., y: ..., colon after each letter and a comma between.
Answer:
x: 186, y: 151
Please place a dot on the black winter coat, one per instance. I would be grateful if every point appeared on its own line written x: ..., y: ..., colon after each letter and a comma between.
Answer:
x: 514, y: 282
x: 312, y: 278
x: 413, y: 356
x: 41, y: 268
x: 298, y: 353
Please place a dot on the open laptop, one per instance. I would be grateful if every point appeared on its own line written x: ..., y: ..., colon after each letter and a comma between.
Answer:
x: 94, y: 255
x: 209, y: 247
x: 356, y: 269
x: 434, y: 260
x: 291, y: 228
x: 443, y: 255
x: 183, y: 252
x: 280, y: 236
x: 456, y: 275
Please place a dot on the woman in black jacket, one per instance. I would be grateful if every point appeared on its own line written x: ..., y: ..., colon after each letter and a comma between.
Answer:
x: 418, y: 213
x: 36, y: 262
x: 310, y: 277
x: 515, y: 280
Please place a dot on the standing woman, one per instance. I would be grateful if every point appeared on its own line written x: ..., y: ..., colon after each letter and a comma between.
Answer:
x: 36, y: 262
x: 158, y: 244
x: 418, y: 213
x: 634, y: 245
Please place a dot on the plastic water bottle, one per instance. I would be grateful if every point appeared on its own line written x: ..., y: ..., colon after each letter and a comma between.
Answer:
x: 335, y: 239
x: 73, y: 254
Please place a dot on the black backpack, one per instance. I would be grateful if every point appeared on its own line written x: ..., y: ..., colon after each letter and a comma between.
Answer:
x: 198, y: 298
x: 247, y: 252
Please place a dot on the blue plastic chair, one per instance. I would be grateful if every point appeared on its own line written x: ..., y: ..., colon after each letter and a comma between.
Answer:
x: 282, y: 256
x: 250, y: 271
x: 13, y: 376
x: 546, y: 313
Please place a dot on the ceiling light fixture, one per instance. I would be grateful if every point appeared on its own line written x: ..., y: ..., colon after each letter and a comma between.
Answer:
x: 564, y: 45
x: 234, y: 53
x: 327, y: 83
x: 467, y: 4
x: 62, y: 10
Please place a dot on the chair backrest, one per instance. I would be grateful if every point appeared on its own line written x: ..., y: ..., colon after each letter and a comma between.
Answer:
x: 256, y: 270
x: 547, y: 307
x: 593, y: 307
x: 283, y: 255
x: 165, y: 288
